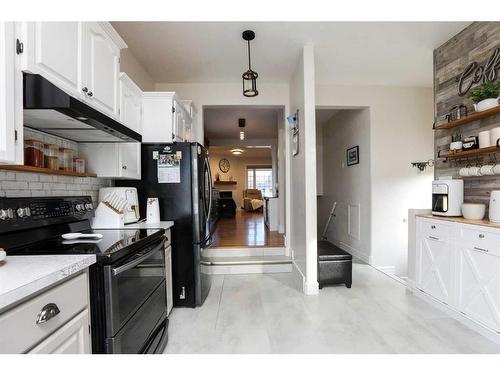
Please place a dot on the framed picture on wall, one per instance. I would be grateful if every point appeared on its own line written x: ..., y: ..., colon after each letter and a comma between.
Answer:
x: 353, y: 155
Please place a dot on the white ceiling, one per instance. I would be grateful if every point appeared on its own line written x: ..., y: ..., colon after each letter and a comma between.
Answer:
x: 387, y: 53
x: 222, y: 122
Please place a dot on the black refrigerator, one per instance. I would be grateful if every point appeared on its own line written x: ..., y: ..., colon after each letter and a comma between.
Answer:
x: 179, y: 176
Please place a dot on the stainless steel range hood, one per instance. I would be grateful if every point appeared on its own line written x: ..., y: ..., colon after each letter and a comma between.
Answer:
x: 51, y: 110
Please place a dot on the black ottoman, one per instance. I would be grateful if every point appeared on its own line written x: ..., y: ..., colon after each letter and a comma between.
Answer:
x: 334, y: 265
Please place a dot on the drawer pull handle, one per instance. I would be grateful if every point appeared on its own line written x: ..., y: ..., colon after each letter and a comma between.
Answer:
x: 434, y: 238
x: 480, y: 249
x: 433, y: 227
x: 47, y: 312
x: 481, y: 235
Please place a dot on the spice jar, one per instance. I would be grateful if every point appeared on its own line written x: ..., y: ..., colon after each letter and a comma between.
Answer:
x: 79, y: 165
x: 33, y: 153
x: 51, y: 156
x: 66, y: 159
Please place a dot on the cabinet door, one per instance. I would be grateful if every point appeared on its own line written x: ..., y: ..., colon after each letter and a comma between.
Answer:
x: 130, y: 103
x: 7, y: 93
x: 54, y: 50
x: 179, y: 119
x: 130, y: 160
x: 478, y: 288
x: 72, y: 338
x: 102, y: 68
x: 434, y: 267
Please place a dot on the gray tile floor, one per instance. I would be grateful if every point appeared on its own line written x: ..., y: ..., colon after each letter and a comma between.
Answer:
x: 266, y: 314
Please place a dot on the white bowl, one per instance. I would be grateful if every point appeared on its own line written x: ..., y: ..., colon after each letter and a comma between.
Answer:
x: 473, y: 211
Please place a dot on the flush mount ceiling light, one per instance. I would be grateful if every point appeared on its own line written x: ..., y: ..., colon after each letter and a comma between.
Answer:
x: 236, y: 151
x: 249, y: 77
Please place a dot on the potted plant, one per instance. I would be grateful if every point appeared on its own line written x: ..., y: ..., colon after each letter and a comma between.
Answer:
x: 456, y: 142
x: 486, y: 96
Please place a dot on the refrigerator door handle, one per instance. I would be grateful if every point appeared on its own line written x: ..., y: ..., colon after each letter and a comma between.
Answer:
x: 210, y: 190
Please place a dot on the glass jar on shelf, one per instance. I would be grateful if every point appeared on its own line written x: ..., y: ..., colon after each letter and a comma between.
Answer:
x: 66, y: 159
x: 33, y: 153
x: 51, y: 156
x: 79, y: 165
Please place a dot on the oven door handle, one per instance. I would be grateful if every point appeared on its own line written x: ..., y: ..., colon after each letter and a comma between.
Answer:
x: 137, y: 261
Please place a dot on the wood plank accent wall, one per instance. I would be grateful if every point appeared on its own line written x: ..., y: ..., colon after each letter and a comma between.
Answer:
x: 474, y: 43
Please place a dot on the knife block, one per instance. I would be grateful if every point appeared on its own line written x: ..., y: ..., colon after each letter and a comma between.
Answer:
x: 107, y: 217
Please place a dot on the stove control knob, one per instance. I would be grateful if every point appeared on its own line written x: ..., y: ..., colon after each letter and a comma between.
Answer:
x: 21, y: 212
x: 4, y: 214
x: 80, y: 207
x: 10, y: 212
x: 27, y: 211
x: 88, y: 206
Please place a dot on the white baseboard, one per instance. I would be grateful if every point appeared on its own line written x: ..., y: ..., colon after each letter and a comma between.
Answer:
x: 301, y: 281
x: 389, y: 270
x: 457, y: 315
x: 354, y: 252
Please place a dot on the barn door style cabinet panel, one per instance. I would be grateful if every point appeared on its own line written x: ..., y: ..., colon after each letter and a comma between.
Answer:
x: 458, y: 265
x: 82, y: 58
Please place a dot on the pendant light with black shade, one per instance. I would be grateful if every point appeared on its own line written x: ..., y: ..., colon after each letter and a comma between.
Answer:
x: 249, y: 77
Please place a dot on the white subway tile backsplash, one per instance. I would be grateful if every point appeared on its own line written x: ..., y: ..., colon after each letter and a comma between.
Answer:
x: 21, y: 184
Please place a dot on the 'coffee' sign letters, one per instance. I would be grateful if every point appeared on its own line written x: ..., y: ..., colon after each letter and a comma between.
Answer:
x: 475, y: 73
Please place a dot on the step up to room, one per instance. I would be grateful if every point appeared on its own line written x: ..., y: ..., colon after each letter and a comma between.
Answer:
x: 246, y: 264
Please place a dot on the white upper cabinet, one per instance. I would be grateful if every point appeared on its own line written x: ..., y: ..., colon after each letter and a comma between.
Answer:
x: 8, y: 143
x: 189, y: 135
x: 82, y: 58
x: 130, y: 103
x: 102, y: 68
x: 54, y: 50
x: 164, y: 118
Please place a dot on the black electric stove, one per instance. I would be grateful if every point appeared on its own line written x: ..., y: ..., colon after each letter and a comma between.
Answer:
x: 128, y: 282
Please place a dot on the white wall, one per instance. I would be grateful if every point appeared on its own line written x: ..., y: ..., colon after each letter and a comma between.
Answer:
x: 134, y: 69
x: 401, y: 132
x: 302, y: 197
x: 347, y: 185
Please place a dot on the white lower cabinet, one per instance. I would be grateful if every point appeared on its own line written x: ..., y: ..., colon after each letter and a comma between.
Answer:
x: 434, y: 268
x: 459, y: 265
x: 72, y: 338
x: 55, y: 321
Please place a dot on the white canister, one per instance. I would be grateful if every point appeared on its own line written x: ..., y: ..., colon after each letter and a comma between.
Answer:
x: 153, y: 211
x: 494, y: 135
x: 495, y: 206
x: 484, y: 139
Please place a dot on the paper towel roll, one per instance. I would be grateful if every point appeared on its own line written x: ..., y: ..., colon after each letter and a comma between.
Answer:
x: 484, y: 139
x: 494, y: 135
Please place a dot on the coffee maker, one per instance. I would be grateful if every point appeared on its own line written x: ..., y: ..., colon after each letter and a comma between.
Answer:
x: 447, y: 197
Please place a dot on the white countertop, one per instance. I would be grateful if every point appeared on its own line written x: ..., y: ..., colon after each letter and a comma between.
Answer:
x: 143, y: 225
x: 24, y: 275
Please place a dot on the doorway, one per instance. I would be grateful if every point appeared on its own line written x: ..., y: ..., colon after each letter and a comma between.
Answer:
x: 247, y: 159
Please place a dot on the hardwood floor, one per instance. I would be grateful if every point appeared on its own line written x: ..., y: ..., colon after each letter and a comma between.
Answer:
x: 246, y: 229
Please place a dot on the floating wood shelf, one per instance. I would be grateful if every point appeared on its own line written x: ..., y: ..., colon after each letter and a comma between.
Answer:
x: 467, y: 119
x: 29, y: 169
x: 225, y: 182
x: 477, y: 151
